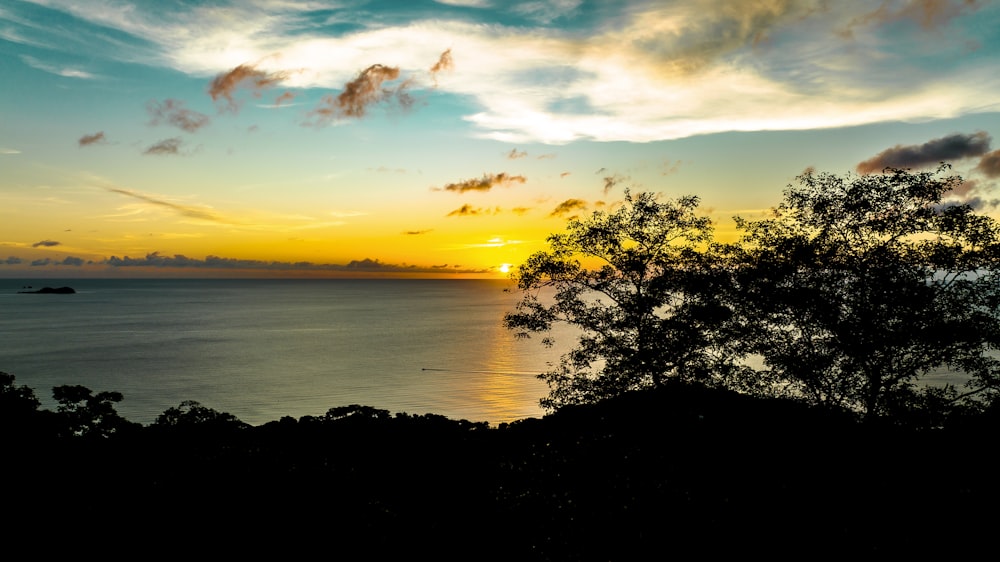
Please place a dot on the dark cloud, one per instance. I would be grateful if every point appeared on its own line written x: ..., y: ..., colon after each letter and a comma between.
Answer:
x: 514, y: 154
x: 184, y: 210
x: 173, y: 112
x: 41, y: 262
x: 71, y: 261
x: 45, y: 243
x: 929, y: 14
x: 465, y: 211
x: 417, y: 232
x: 569, y: 206
x: 485, y: 183
x: 12, y: 260
x: 179, y: 261
x: 611, y: 181
x: 989, y: 165
x: 96, y: 138
x: 223, y: 87
x: 564, y: 174
x: 365, y: 90
x: 951, y: 147
x: 168, y: 146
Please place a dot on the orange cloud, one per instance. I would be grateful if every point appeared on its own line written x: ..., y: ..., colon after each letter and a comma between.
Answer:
x: 445, y: 62
x: 224, y: 85
x: 173, y: 112
x: 362, y: 92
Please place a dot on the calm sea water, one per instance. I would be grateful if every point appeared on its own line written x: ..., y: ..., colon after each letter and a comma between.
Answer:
x: 263, y: 349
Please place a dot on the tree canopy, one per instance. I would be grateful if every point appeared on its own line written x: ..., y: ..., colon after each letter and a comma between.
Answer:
x: 637, y: 284
x: 851, y: 295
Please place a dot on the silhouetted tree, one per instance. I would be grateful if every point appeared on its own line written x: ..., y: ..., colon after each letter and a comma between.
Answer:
x: 85, y: 414
x: 859, y: 286
x: 638, y: 284
x: 190, y: 413
x: 17, y: 403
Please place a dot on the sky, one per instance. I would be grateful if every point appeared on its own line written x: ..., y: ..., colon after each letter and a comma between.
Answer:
x: 449, y: 138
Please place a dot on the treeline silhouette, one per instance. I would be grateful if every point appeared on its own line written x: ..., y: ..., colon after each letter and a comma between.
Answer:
x: 677, y: 470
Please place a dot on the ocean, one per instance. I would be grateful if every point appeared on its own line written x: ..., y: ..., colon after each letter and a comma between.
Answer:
x: 265, y: 349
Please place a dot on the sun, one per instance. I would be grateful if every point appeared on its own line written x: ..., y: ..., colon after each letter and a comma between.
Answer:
x: 505, y: 268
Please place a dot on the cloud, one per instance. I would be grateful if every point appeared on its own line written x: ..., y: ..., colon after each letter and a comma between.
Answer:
x: 951, y: 147
x: 287, y: 96
x: 929, y: 14
x: 222, y: 88
x: 989, y: 164
x: 183, y: 210
x: 485, y: 183
x: 173, y: 112
x: 66, y: 72
x: 569, y: 206
x: 41, y: 262
x: 444, y: 62
x: 417, y: 232
x: 9, y: 151
x: 180, y: 261
x: 168, y: 146
x: 366, y: 89
x: 514, y: 154
x: 611, y: 181
x: 465, y: 211
x: 11, y: 260
x: 72, y: 261
x: 564, y: 174
x: 45, y: 243
x: 624, y: 71
x: 96, y: 138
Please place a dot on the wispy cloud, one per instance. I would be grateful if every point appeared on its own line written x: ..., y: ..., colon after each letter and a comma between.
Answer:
x: 444, y: 62
x: 96, y: 138
x: 223, y: 87
x: 9, y: 151
x: 989, y: 164
x: 947, y: 148
x: 65, y: 71
x: 367, y: 265
x: 417, y: 232
x: 485, y: 183
x: 173, y: 112
x: 467, y: 210
x: 167, y: 146
x: 183, y: 210
x: 724, y: 65
x: 365, y: 90
x: 514, y: 154
x: 928, y: 14
x: 568, y: 206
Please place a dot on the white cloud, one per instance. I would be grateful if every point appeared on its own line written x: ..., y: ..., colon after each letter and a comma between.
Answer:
x: 658, y: 71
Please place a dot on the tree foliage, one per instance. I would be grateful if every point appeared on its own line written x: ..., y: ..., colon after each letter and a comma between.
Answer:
x: 85, y: 414
x: 855, y: 293
x: 637, y: 284
x: 859, y: 287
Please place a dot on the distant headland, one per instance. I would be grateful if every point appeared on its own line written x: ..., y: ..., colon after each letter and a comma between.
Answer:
x: 50, y: 291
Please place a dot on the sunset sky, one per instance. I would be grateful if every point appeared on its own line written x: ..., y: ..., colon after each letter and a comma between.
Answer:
x: 450, y: 137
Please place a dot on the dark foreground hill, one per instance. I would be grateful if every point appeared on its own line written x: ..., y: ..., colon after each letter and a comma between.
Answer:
x: 684, y: 472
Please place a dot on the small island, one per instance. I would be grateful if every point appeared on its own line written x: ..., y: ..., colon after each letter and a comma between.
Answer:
x: 51, y: 291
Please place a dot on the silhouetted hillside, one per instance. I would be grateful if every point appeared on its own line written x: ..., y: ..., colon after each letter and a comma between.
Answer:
x: 654, y: 474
